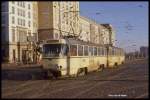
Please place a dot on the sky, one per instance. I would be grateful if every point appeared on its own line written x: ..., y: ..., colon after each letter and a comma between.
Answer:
x: 129, y: 20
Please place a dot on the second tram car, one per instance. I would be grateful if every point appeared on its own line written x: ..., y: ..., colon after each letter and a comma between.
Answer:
x: 71, y: 57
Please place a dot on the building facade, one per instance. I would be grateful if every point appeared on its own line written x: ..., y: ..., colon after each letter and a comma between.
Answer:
x: 108, y: 34
x: 19, y: 21
x: 58, y: 19
x: 96, y: 33
x: 23, y: 23
x: 84, y: 29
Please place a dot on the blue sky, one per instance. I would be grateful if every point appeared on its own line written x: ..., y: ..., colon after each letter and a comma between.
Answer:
x: 129, y: 19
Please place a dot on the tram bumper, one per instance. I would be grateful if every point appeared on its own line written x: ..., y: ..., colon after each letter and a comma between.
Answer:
x: 54, y: 71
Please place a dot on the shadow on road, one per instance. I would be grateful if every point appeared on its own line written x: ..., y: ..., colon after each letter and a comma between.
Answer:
x: 23, y: 74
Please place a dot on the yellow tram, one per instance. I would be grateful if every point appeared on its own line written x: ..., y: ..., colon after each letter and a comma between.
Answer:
x: 72, y: 57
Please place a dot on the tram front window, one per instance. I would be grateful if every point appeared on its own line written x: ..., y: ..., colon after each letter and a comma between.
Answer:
x: 54, y: 50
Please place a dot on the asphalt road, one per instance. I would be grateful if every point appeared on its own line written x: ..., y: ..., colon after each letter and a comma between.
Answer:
x: 127, y: 81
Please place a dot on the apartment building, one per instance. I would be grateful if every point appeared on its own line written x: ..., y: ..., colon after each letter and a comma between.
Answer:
x: 58, y: 19
x: 108, y: 34
x: 23, y: 22
x: 95, y: 32
x: 84, y: 29
x: 19, y: 21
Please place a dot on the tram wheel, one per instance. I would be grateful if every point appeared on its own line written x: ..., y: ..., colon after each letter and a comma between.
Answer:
x: 82, y: 71
x: 50, y: 75
x: 101, y: 67
x: 116, y: 65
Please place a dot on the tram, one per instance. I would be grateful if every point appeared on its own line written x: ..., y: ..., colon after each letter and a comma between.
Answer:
x: 73, y: 57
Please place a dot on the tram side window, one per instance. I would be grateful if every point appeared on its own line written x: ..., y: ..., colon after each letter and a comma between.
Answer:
x: 117, y: 52
x: 102, y: 51
x: 95, y: 51
x: 73, y: 50
x: 120, y: 53
x: 80, y: 50
x: 85, y: 50
x: 98, y: 51
x: 65, y: 49
x: 105, y: 51
x: 91, y: 51
x: 110, y: 51
x: 113, y: 50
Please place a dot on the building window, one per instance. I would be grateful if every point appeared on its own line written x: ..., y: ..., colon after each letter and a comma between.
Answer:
x: 29, y: 6
x: 24, y: 22
x: 18, y: 21
x: 29, y: 23
x: 13, y: 2
x: 29, y: 16
x: 23, y: 4
x: 18, y: 3
x: 18, y: 12
x: 23, y: 13
x: 13, y: 10
x: 13, y: 20
x: 13, y: 35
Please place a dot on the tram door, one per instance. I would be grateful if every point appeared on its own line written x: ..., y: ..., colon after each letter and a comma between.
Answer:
x: 91, y: 59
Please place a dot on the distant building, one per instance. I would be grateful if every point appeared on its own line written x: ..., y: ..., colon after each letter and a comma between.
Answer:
x: 144, y: 51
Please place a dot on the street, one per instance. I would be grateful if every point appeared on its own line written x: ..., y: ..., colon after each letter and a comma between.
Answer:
x: 127, y: 81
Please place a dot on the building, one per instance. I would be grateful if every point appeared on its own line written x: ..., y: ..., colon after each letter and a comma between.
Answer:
x: 19, y: 21
x: 84, y: 29
x: 144, y: 51
x: 24, y: 23
x: 58, y: 19
x: 95, y: 32
x: 109, y: 34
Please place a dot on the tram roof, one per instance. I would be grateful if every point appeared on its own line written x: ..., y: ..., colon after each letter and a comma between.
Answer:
x: 77, y: 41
